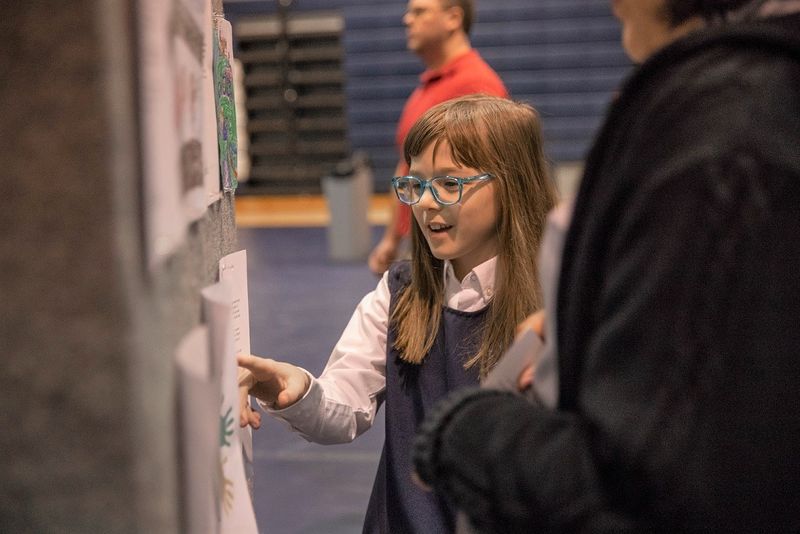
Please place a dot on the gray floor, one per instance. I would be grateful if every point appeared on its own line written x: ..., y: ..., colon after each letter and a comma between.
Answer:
x: 299, y: 304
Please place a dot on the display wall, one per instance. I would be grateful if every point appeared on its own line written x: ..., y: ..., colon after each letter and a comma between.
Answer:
x: 89, y: 321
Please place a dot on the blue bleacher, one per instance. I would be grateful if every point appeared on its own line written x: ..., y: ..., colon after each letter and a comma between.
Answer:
x: 562, y: 56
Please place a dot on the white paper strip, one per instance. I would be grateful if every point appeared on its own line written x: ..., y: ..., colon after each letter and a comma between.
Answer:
x: 237, y: 515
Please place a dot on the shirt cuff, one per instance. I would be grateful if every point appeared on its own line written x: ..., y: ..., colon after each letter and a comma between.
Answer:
x: 306, y: 405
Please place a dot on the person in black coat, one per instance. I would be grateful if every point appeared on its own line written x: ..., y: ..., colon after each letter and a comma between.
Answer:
x: 678, y: 306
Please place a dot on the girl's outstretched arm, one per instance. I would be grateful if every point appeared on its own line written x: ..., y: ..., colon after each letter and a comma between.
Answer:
x: 339, y: 405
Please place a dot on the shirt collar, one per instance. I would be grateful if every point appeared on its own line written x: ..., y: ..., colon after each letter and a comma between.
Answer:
x: 481, y: 278
x: 431, y: 75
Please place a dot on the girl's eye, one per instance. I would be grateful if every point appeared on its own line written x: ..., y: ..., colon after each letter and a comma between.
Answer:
x: 447, y: 183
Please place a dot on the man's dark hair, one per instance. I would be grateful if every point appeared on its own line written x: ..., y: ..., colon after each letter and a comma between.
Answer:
x: 681, y: 10
x: 467, y: 7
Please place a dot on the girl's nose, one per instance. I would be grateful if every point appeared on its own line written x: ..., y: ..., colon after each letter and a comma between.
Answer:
x: 427, y: 200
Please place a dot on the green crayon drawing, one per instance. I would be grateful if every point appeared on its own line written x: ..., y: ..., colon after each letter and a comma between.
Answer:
x: 226, y: 110
x: 225, y: 428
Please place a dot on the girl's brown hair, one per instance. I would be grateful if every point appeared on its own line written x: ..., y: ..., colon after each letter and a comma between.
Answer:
x: 503, y: 138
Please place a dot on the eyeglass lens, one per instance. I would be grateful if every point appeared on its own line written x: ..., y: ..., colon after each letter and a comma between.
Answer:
x: 445, y: 188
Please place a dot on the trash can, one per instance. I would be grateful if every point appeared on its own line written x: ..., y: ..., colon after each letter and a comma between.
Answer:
x: 348, y: 189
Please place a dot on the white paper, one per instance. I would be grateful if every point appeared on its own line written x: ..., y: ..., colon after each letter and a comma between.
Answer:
x: 233, y: 269
x: 236, y: 508
x: 171, y: 85
x: 198, y: 404
x: 162, y: 186
x: 522, y: 353
x: 187, y: 48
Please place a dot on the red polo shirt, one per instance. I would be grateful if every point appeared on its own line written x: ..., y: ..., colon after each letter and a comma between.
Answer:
x: 465, y: 75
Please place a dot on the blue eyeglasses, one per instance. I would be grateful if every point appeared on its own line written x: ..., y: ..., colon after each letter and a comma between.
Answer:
x: 446, y: 190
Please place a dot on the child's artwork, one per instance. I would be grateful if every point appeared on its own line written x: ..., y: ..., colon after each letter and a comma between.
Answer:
x: 233, y: 495
x: 226, y: 109
x: 171, y: 89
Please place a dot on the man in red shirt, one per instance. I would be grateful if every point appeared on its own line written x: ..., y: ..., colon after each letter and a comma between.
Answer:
x: 438, y: 32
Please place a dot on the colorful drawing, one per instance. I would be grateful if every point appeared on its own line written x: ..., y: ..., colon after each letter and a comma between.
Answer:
x: 230, y: 493
x: 225, y: 428
x: 233, y: 498
x: 170, y: 75
x: 187, y: 69
x: 226, y: 109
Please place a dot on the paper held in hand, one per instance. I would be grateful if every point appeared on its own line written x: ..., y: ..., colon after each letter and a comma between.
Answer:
x: 523, y: 353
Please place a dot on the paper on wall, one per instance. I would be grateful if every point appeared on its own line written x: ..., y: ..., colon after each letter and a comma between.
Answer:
x: 226, y: 103
x: 171, y: 92
x: 236, y: 508
x: 233, y: 269
x: 198, y: 404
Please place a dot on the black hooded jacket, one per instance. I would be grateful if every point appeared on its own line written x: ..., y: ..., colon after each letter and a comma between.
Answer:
x: 678, y: 317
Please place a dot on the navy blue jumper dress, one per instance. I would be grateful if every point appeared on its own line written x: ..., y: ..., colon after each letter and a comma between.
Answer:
x: 397, y: 505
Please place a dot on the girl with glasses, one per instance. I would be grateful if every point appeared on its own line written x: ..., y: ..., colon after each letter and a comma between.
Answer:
x: 479, y: 191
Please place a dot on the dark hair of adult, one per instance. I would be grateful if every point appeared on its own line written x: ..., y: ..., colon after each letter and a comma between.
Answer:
x: 467, y: 8
x: 679, y: 11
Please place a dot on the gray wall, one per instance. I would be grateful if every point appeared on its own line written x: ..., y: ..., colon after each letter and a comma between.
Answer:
x: 87, y: 333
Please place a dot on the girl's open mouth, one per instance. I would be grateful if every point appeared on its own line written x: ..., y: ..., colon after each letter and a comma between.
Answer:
x: 439, y: 228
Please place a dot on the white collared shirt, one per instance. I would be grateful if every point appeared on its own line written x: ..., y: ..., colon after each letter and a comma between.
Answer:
x: 474, y: 292
x: 341, y: 404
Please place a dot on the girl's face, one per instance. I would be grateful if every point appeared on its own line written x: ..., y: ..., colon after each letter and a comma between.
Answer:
x: 464, y: 233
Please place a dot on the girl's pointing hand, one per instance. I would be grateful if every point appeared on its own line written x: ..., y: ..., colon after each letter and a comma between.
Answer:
x: 275, y: 383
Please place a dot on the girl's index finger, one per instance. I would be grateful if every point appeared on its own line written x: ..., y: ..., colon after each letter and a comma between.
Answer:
x: 257, y: 366
x: 248, y: 361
